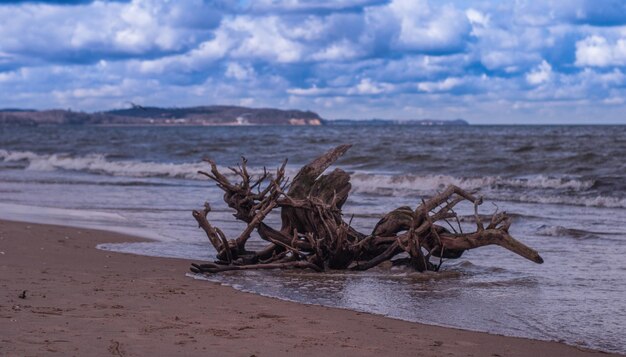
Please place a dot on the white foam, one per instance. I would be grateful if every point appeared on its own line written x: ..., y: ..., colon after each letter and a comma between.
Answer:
x: 98, y: 163
x: 494, y: 187
x: 17, y: 155
x: 595, y: 201
x: 366, y: 182
x: 60, y: 213
x: 362, y: 181
x: 106, y: 221
x: 553, y: 190
x: 182, y: 250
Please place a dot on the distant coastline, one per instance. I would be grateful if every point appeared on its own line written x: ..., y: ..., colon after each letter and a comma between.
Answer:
x: 378, y: 122
x: 215, y: 115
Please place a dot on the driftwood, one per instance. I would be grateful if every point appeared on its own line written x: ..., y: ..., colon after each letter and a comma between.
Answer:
x: 315, y: 236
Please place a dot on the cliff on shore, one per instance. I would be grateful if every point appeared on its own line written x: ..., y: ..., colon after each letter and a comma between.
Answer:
x: 138, y: 115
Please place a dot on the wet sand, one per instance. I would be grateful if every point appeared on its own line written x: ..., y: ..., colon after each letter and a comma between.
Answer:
x: 81, y: 301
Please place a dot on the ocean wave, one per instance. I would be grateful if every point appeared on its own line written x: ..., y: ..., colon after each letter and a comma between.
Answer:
x: 534, y: 189
x: 101, y: 164
x: 560, y: 231
x: 366, y: 181
x: 98, y: 163
x: 588, y: 201
x: 11, y: 156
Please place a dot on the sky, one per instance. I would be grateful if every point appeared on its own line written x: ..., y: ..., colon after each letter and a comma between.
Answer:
x: 523, y: 62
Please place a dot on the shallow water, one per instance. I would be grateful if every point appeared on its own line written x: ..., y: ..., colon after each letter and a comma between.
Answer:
x: 565, y: 186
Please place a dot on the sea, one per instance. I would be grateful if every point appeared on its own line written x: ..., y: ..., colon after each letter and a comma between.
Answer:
x: 563, y: 186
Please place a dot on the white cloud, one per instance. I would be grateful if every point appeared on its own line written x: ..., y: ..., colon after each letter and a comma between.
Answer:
x: 278, y: 6
x: 614, y: 101
x: 477, y: 18
x: 13, y: 76
x: 366, y: 87
x: 597, y: 51
x: 239, y: 72
x: 311, y: 29
x: 199, y: 58
x: 424, y: 29
x: 97, y: 29
x: 540, y: 74
x: 339, y: 51
x: 440, y: 86
x: 313, y: 91
x: 263, y: 38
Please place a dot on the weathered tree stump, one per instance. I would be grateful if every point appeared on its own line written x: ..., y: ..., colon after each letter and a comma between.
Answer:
x: 314, y: 235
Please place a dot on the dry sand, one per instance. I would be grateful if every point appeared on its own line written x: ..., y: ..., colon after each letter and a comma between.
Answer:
x: 81, y: 301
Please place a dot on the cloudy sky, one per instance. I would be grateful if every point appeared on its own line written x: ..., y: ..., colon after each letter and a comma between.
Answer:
x: 485, y: 61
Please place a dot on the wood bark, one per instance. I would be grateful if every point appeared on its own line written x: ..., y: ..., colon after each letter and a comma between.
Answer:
x: 314, y: 234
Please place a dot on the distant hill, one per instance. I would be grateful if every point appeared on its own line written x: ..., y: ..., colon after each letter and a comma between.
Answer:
x: 16, y: 110
x: 215, y: 115
x: 206, y: 115
x: 374, y: 122
x: 50, y: 117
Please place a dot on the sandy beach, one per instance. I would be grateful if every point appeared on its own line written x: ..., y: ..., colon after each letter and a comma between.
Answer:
x: 81, y: 301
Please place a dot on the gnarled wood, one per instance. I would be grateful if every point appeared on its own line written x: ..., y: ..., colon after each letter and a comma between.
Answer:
x: 314, y: 235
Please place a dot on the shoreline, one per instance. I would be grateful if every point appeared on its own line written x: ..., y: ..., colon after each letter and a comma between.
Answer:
x: 80, y: 300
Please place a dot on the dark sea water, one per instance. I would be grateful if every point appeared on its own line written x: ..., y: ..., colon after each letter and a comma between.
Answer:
x: 565, y: 186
